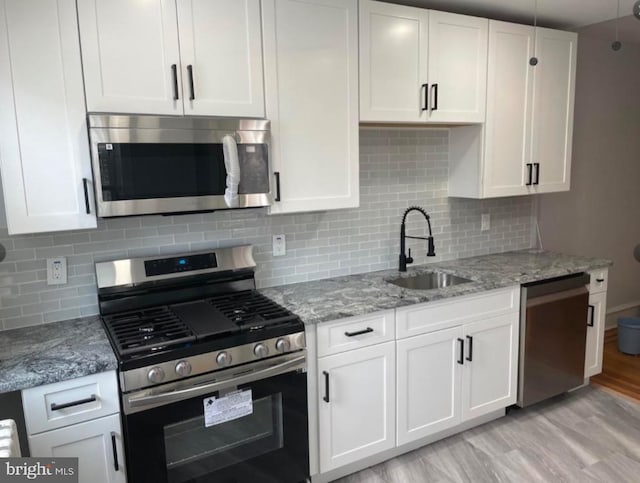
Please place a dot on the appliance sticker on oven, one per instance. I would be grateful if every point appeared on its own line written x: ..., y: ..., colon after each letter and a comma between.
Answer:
x: 232, y: 406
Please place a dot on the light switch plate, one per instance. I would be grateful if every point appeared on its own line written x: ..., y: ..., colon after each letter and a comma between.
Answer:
x: 56, y: 271
x: 279, y: 245
x: 485, y: 223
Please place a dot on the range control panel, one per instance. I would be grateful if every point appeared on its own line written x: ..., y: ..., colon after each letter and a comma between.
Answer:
x: 165, y: 266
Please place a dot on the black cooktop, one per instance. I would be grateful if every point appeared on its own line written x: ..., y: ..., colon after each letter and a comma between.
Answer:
x: 146, y: 331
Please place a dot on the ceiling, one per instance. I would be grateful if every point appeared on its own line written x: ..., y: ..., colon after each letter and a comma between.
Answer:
x: 566, y: 14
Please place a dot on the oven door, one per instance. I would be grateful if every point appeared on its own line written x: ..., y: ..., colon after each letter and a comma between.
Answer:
x: 151, y: 171
x: 264, y: 438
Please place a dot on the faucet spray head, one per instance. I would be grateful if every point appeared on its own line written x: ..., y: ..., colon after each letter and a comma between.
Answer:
x: 431, y: 251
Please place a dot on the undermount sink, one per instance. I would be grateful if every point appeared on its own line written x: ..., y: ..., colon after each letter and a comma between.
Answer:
x: 429, y: 281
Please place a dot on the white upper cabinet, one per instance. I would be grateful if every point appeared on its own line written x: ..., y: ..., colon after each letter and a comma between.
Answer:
x: 418, y: 65
x: 221, y: 55
x: 131, y: 56
x: 44, y: 151
x: 526, y: 144
x: 200, y: 57
x: 457, y: 67
x: 554, y: 96
x: 393, y: 47
x: 311, y: 90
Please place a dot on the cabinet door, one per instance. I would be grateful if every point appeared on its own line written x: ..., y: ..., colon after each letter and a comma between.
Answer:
x: 221, y: 54
x: 457, y: 67
x: 429, y: 382
x: 311, y: 89
x: 553, y: 101
x: 393, y: 62
x: 595, y: 334
x: 92, y: 443
x: 490, y: 375
x: 44, y: 150
x: 509, y: 96
x: 357, y: 404
x: 128, y: 50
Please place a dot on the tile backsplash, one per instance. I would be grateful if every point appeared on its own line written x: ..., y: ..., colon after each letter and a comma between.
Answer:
x: 398, y: 168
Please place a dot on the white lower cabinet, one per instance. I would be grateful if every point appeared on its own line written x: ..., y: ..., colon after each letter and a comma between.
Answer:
x: 356, y: 404
x: 595, y: 333
x: 429, y: 382
x: 490, y: 376
x: 97, y: 444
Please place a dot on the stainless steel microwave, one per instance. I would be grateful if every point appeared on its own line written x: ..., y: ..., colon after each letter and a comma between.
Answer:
x: 161, y: 164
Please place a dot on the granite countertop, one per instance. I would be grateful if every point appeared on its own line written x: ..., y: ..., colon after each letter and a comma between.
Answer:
x: 44, y: 354
x: 337, y: 298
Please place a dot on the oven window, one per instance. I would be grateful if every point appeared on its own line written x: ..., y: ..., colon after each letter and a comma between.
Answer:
x: 137, y: 171
x: 192, y: 450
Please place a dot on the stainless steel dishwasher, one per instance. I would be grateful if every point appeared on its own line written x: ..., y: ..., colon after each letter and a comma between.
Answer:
x: 553, y: 335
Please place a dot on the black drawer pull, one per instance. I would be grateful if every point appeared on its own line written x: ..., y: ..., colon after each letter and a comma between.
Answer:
x: 326, y: 386
x: 530, y: 174
x: 116, y: 466
x: 425, y: 106
x: 277, y: 176
x: 87, y: 207
x: 192, y: 94
x: 470, y: 356
x: 434, y: 103
x: 537, y: 167
x: 461, y: 359
x: 174, y: 77
x: 592, y: 317
x: 599, y: 280
x: 360, y: 332
x: 58, y: 407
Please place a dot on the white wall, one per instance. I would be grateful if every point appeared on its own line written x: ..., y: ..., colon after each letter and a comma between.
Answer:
x: 600, y: 216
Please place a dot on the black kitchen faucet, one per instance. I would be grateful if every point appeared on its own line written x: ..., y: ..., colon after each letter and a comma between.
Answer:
x: 431, y: 251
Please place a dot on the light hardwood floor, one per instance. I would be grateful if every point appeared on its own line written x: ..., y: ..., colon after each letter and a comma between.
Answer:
x: 588, y: 436
x: 620, y: 372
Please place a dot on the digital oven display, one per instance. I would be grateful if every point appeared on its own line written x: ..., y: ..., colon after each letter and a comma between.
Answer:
x: 165, y: 266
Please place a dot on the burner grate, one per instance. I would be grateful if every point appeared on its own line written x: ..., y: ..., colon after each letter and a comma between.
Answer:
x: 251, y: 310
x: 147, y: 330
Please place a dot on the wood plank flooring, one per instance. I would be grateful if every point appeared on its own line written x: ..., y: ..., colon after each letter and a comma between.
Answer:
x: 588, y: 436
x: 620, y: 372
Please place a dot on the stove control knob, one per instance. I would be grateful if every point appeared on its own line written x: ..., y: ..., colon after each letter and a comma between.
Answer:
x: 283, y: 345
x: 155, y: 374
x: 223, y: 359
x: 183, y: 368
x: 261, y: 350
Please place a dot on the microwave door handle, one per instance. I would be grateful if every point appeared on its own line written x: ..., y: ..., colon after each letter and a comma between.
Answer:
x: 182, y: 394
x: 232, y: 166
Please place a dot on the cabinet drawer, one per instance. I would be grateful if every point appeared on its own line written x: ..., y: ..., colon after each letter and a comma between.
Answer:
x: 70, y: 402
x: 355, y: 332
x: 423, y: 318
x: 599, y: 280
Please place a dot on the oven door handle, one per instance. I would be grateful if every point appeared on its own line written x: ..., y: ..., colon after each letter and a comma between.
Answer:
x: 181, y: 394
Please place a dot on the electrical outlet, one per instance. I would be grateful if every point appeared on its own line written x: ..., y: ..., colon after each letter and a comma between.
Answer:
x: 56, y: 271
x: 485, y: 223
x: 279, y: 245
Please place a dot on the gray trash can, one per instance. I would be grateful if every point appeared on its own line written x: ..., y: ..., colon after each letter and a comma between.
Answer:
x: 629, y: 335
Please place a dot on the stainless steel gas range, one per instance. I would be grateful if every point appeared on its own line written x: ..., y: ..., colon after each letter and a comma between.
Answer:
x: 212, y: 373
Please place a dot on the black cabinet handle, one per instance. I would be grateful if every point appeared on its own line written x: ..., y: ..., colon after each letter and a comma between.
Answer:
x: 360, y: 332
x: 599, y: 280
x: 529, y: 174
x: 537, y: 166
x: 592, y: 320
x: 326, y: 386
x: 87, y: 207
x: 174, y: 77
x: 470, y: 356
x: 425, y: 105
x: 116, y: 466
x: 192, y: 94
x: 277, y: 175
x: 434, y: 104
x: 461, y: 359
x: 58, y: 407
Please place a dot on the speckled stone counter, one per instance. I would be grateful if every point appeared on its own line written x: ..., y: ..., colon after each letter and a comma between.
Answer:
x: 44, y: 354
x: 336, y: 298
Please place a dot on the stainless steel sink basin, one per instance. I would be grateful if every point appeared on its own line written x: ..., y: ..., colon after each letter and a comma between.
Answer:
x: 429, y: 281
